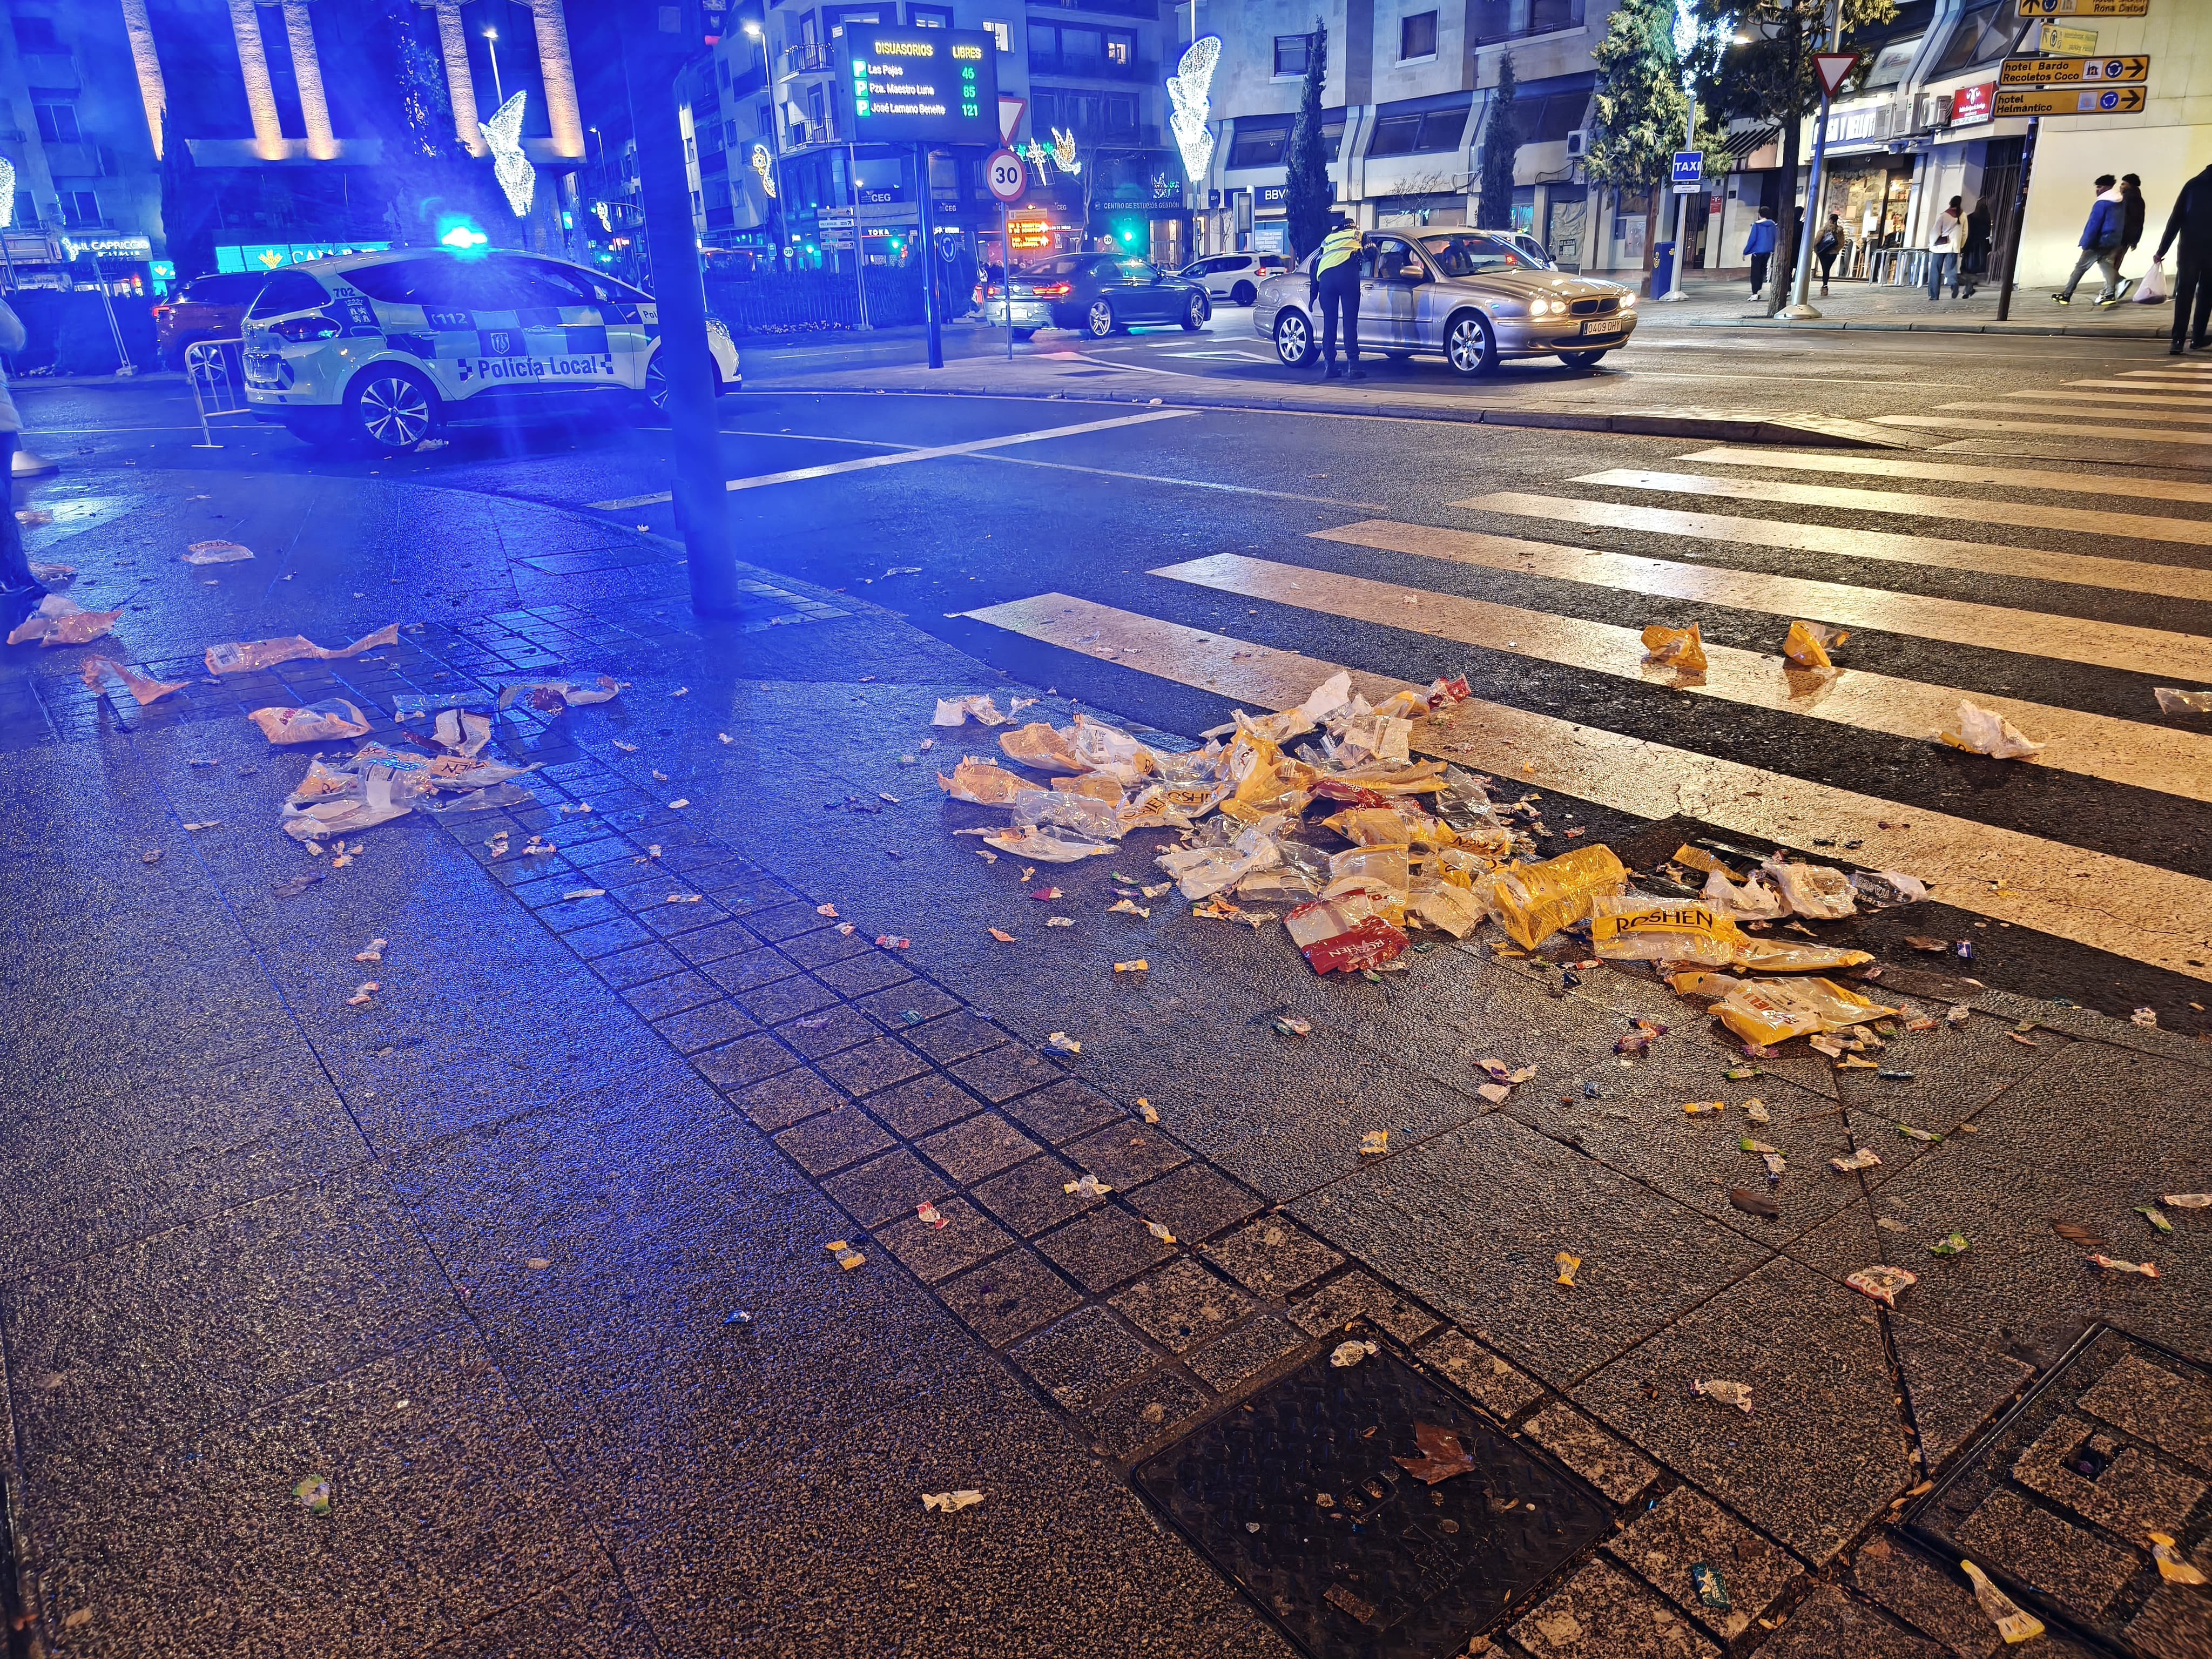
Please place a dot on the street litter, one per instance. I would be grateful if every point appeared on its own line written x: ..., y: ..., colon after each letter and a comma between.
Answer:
x: 1126, y: 908
x: 1347, y: 1354
x: 951, y: 1503
x: 1712, y: 1588
x: 1065, y: 1043
x: 60, y: 620
x: 848, y: 1257
x: 1639, y: 1041
x: 1374, y: 1143
x: 1807, y: 644
x: 2012, y: 1623
x: 1771, y: 1157
x: 1060, y: 921
x: 983, y: 784
x: 958, y: 711
x: 313, y: 1494
x: 2187, y: 1201
x: 1911, y: 1134
x: 1883, y: 890
x: 2114, y: 1265
x: 151, y: 855
x: 267, y: 654
x: 372, y: 951
x: 1085, y: 1186
x: 2146, y: 1018
x: 363, y: 993
x: 318, y: 722
x: 1982, y: 733
x: 927, y: 1213
x: 1160, y: 1232
x: 1000, y: 934
x: 2150, y: 1212
x: 1291, y: 1025
x: 1958, y: 1014
x: 144, y: 688
x: 2075, y: 1233
x: 1951, y: 1244
x: 414, y: 705
x: 552, y: 696
x: 1883, y: 1283
x: 1692, y: 1108
x: 2171, y: 701
x: 1737, y: 1394
x: 290, y: 887
x: 217, y: 552
x: 1865, y: 1158
x: 1813, y: 890
x: 1674, y: 647
x: 895, y: 942
x: 1150, y: 1113
x: 1569, y: 1266
x: 2173, y: 1565
x: 1137, y: 966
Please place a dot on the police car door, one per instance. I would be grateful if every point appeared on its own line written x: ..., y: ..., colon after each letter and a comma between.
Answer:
x: 632, y: 326
x: 566, y: 318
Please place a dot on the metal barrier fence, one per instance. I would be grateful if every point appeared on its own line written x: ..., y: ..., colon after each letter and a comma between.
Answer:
x: 216, y: 369
x: 802, y: 301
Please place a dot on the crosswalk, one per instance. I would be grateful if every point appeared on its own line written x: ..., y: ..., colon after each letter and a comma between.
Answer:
x: 1391, y: 593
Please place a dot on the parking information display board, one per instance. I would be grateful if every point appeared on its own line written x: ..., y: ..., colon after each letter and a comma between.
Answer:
x: 920, y: 86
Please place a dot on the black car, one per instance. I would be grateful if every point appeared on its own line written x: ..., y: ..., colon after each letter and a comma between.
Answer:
x: 1101, y: 294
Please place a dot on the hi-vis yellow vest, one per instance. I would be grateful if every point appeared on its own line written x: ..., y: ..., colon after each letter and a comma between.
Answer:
x: 1336, y: 247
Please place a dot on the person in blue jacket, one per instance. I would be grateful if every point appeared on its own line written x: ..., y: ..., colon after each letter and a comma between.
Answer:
x: 1759, y: 245
x: 2102, y: 240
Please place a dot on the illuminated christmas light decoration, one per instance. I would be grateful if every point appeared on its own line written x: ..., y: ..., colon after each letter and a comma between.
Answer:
x: 1189, y: 97
x: 1063, y: 151
x: 503, y: 132
x: 1040, y: 158
x: 765, y: 167
x: 7, y: 191
x: 600, y: 209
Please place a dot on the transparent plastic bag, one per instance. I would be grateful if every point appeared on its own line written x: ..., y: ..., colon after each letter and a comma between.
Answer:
x: 141, y: 688
x: 1753, y: 900
x: 1443, y: 905
x: 1344, y: 935
x: 1985, y: 733
x: 318, y: 722
x: 62, y: 621
x: 1039, y: 746
x: 1770, y: 1011
x: 1884, y: 889
x: 1812, y: 890
x: 1388, y: 867
x: 1675, y: 648
x: 983, y: 784
x: 1532, y: 901
x: 1637, y: 927
x: 1807, y: 644
x: 267, y: 654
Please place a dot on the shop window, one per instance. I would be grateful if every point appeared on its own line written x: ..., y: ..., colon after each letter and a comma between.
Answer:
x: 1417, y: 36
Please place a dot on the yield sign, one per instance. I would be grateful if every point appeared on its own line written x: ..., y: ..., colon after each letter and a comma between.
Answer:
x: 1832, y: 67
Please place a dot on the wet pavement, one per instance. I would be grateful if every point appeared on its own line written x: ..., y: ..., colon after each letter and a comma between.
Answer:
x: 470, y: 1255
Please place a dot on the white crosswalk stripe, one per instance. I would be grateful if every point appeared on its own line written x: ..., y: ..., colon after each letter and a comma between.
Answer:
x: 2060, y: 882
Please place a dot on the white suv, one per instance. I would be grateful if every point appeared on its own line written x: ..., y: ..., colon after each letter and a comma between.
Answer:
x: 1235, y: 277
x: 378, y: 348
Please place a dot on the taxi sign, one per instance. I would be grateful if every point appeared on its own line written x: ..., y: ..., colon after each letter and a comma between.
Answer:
x: 2069, y: 101
x: 2061, y: 71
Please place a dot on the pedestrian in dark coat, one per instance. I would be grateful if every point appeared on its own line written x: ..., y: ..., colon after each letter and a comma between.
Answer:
x: 2190, y: 224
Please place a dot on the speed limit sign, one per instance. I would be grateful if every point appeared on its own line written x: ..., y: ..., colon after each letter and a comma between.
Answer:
x: 1008, y: 179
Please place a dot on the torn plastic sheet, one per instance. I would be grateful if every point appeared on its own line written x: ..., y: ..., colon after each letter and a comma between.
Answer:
x: 1985, y: 733
x: 1532, y: 901
x: 1045, y: 845
x: 1344, y: 935
x: 62, y: 621
x: 464, y: 733
x: 1807, y: 644
x: 1753, y: 900
x: 318, y: 722
x: 100, y: 672
x: 2170, y: 702
x: 958, y: 711
x: 1770, y: 1011
x: 217, y: 552
x: 493, y: 798
x: 552, y: 696
x: 1812, y: 890
x: 414, y: 705
x: 342, y: 815
x: 267, y: 654
x: 984, y: 785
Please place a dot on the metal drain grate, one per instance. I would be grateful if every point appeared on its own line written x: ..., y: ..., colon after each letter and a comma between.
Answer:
x: 1298, y: 1495
x: 2058, y: 1502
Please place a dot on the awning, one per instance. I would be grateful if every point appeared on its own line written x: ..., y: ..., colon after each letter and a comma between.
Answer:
x: 1740, y: 144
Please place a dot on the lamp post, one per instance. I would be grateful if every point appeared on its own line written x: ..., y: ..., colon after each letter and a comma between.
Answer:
x: 776, y: 134
x: 491, y: 38
x: 1686, y: 42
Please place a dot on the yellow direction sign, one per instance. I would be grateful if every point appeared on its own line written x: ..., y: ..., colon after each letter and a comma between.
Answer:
x: 2083, y: 8
x: 2067, y: 101
x: 2057, y: 37
x: 2066, y: 71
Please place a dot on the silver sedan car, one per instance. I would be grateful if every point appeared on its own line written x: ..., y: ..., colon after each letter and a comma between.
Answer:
x: 1466, y: 294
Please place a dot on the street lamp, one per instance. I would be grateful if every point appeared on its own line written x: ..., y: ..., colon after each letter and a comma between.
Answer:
x: 498, y: 93
x: 1686, y: 42
x: 752, y: 32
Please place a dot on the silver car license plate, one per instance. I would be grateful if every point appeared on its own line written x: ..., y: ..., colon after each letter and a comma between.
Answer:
x: 1598, y: 327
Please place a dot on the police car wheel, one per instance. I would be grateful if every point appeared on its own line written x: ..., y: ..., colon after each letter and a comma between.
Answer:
x: 392, y: 409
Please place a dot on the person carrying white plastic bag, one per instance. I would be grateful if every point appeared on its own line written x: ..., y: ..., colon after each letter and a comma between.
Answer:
x: 2152, y: 289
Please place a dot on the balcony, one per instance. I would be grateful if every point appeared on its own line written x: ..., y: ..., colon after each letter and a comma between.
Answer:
x: 806, y: 60
x: 1058, y: 67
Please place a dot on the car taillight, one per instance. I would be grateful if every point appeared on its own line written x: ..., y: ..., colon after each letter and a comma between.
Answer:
x: 300, y: 329
x: 1053, y: 290
x: 163, y: 310
x: 992, y: 291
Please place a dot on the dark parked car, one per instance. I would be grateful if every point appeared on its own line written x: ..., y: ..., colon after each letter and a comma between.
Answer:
x: 1100, y: 294
x: 206, y: 309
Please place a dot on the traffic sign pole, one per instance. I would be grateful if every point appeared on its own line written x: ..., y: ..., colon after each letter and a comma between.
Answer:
x: 1006, y: 280
x: 2018, y: 221
x: 1008, y: 181
x: 929, y: 306
x: 1682, y: 210
x: 1832, y: 66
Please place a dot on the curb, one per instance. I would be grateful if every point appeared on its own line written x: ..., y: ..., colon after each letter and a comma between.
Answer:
x: 1823, y: 326
x: 1816, y: 432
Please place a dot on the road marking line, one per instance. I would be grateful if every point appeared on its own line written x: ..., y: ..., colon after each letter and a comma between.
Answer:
x: 1857, y: 465
x: 2142, y: 757
x: 2062, y: 412
x: 1991, y: 558
x: 817, y: 438
x: 2109, y: 904
x: 2186, y: 656
x: 2027, y: 514
x: 2076, y: 432
x: 2107, y: 398
x: 867, y: 463
x: 2187, y: 371
x: 1187, y: 483
x: 2169, y: 383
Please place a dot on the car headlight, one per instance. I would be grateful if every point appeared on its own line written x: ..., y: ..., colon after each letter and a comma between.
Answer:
x: 1628, y: 301
x: 1540, y: 307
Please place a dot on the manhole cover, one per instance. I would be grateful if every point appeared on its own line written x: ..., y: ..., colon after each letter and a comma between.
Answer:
x: 2059, y: 1502
x: 1301, y: 1498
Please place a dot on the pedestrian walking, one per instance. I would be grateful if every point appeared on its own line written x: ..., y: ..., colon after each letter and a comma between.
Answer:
x: 1944, y: 249
x: 2132, y: 211
x: 1974, y: 253
x: 2101, y: 245
x: 1759, y: 247
x: 2191, y: 223
x: 1336, y: 283
x: 19, y: 591
x: 1829, y: 245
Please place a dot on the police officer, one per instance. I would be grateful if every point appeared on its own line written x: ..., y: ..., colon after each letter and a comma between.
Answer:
x: 1336, y: 284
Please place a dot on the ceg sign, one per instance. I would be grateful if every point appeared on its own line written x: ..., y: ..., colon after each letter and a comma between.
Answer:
x: 1970, y: 105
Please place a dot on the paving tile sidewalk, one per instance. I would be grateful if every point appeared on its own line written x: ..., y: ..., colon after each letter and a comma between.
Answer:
x: 468, y: 1254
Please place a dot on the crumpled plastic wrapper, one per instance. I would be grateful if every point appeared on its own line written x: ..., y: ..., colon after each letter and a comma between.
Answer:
x: 1532, y: 901
x: 1984, y: 733
x: 551, y: 696
x: 986, y: 785
x: 958, y: 711
x: 217, y: 552
x: 464, y: 733
x: 1675, y: 648
x: 1884, y: 889
x: 1636, y: 927
x: 1770, y: 1010
x: 62, y: 621
x: 1812, y: 890
x: 1807, y: 644
x: 2170, y: 702
x: 106, y: 672
x: 267, y: 654
x: 318, y: 722
x: 344, y: 814
x: 1749, y: 900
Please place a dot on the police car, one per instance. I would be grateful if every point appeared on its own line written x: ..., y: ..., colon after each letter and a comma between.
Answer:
x: 381, y: 347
